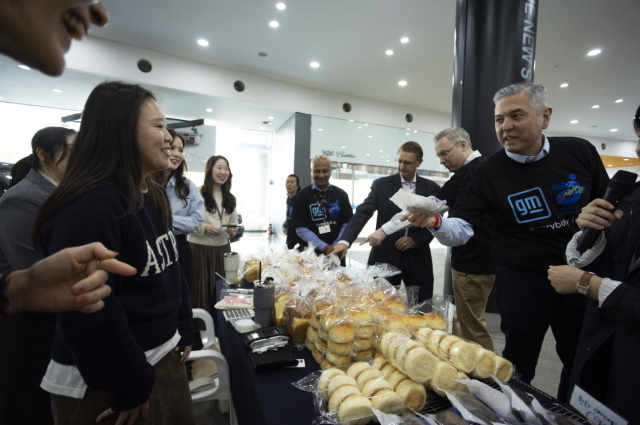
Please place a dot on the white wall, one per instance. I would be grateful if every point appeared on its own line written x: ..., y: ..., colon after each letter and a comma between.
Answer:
x: 118, y: 60
x: 614, y: 147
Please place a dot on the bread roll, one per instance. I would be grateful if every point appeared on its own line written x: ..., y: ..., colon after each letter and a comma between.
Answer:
x: 357, y: 368
x: 463, y: 356
x: 373, y: 386
x: 420, y: 365
x: 364, y: 331
x: 325, y: 378
x: 317, y: 355
x: 446, y: 342
x: 344, y: 349
x: 504, y: 368
x: 322, y: 333
x: 326, y: 364
x: 412, y: 394
x: 388, y: 401
x: 402, y: 351
x: 414, y: 320
x: 435, y: 320
x: 312, y: 334
x: 355, y: 410
x: 461, y: 387
x: 363, y: 355
x: 342, y: 332
x: 395, y: 303
x: 338, y: 381
x: 396, y: 377
x: 387, y: 370
x: 443, y: 378
x: 321, y: 345
x: 278, y: 308
x: 362, y: 343
x: 340, y: 395
x: 485, y: 363
x: 367, y: 375
x: 393, y: 323
x: 313, y: 321
x: 310, y: 345
x: 337, y: 359
x: 379, y: 362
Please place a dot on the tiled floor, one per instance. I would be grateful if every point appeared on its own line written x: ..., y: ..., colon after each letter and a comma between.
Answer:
x: 549, y: 365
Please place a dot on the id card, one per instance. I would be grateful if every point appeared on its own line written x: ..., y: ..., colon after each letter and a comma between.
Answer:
x: 324, y: 228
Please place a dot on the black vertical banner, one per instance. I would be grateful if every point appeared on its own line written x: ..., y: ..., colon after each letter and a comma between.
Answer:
x: 494, y: 47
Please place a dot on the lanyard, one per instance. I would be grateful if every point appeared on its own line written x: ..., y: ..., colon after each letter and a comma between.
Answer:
x: 322, y: 202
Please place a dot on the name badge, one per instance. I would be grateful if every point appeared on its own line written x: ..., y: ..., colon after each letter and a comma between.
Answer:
x: 593, y: 410
x: 325, y: 228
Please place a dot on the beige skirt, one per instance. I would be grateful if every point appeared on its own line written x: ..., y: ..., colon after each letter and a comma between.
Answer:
x: 207, y: 260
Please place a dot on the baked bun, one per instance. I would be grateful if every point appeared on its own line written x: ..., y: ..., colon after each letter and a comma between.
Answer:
x: 443, y: 378
x: 313, y: 321
x: 310, y: 345
x: 373, y: 386
x: 435, y: 320
x: 326, y: 364
x: 388, y: 401
x: 379, y: 362
x: 367, y: 375
x: 325, y: 378
x: 364, y: 331
x: 339, y: 381
x: 322, y: 333
x: 412, y: 394
x: 355, y: 410
x: 463, y: 355
x: 357, y: 368
x: 312, y: 334
x: 414, y: 320
x: 420, y: 364
x: 396, y: 377
x: 485, y: 363
x: 343, y: 349
x: 341, y: 332
x: 317, y: 355
x: 362, y: 343
x: 339, y: 395
x: 321, y: 345
x: 387, y: 370
x: 402, y: 351
x: 504, y: 368
x: 363, y: 355
x: 337, y: 359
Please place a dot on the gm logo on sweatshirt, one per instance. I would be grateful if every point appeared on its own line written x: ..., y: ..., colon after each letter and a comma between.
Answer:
x: 317, y: 212
x: 529, y: 205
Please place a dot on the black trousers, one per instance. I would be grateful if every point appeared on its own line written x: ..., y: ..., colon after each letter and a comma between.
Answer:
x: 424, y: 282
x: 528, y: 306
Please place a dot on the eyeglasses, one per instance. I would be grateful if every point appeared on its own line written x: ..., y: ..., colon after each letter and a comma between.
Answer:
x: 407, y: 163
x: 443, y: 154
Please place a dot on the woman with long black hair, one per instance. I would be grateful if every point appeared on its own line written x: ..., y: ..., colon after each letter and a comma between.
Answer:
x: 187, y: 206
x: 212, y: 240
x: 27, y: 337
x: 124, y: 359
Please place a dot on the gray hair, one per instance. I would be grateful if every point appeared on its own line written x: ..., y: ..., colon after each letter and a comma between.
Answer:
x: 536, y: 92
x: 317, y: 157
x: 456, y: 135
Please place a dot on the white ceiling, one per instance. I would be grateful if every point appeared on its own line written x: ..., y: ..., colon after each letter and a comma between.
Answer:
x: 349, y: 38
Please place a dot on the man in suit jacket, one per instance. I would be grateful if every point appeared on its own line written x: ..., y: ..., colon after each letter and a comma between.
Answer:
x: 408, y: 250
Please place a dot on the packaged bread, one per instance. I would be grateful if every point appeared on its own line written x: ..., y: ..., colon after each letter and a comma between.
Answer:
x: 435, y: 320
x: 485, y: 363
x: 337, y: 359
x: 312, y: 334
x: 281, y: 300
x: 252, y: 270
x: 413, y: 395
x: 443, y: 378
x: 325, y: 379
x: 355, y: 410
x: 363, y: 355
x: 504, y: 368
x: 296, y: 316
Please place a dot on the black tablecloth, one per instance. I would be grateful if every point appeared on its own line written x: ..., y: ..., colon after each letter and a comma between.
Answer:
x: 265, y: 397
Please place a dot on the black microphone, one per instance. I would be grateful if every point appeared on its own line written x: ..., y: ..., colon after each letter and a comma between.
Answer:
x: 621, y: 184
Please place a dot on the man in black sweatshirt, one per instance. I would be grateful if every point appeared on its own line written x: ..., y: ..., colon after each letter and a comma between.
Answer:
x: 472, y: 267
x: 529, y: 194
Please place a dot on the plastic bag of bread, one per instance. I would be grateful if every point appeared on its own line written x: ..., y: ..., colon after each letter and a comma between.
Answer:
x: 297, y: 313
x: 379, y: 270
x: 282, y: 295
x: 252, y: 270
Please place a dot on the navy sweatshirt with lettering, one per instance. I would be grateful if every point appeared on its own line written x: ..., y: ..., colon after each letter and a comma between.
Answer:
x: 141, y: 313
x: 531, y: 208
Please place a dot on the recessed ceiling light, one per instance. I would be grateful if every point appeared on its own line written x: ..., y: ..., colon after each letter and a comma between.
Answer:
x: 281, y: 6
x: 343, y: 147
x: 594, y: 52
x: 402, y: 83
x: 269, y: 117
x: 625, y: 159
x: 57, y: 90
x: 614, y: 129
x: 573, y: 121
x: 319, y: 129
x: 370, y: 137
x: 209, y: 110
x: 359, y: 127
x: 404, y: 40
x: 368, y: 154
x: 261, y: 128
x: 619, y: 101
x: 407, y: 134
x: 415, y: 131
x: 274, y: 24
x: 389, y: 52
x: 563, y: 85
x: 24, y: 67
x: 314, y: 64
x: 609, y: 165
x: 595, y: 106
x: 380, y: 151
x: 366, y: 124
x: 203, y: 42
x: 350, y: 120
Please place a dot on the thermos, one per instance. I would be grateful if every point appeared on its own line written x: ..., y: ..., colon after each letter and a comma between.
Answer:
x: 231, y: 264
x: 263, y: 301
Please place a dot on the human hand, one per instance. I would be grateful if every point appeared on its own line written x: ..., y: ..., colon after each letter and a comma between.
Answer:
x: 285, y: 231
x: 130, y: 416
x: 405, y: 243
x: 375, y: 239
x: 232, y: 231
x: 211, y: 230
x: 340, y: 250
x: 186, y: 350
x: 596, y: 216
x: 564, y: 278
x: 70, y: 279
x: 328, y: 249
x: 419, y: 219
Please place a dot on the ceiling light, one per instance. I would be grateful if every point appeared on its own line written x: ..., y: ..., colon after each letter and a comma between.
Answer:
x: 359, y: 127
x: 366, y: 124
x: 563, y: 85
x: 351, y: 120
x: 595, y: 106
x: 203, y: 42
x: 24, y: 67
x: 370, y: 137
x: 314, y: 64
x: 402, y: 83
x: 404, y: 40
x: 274, y: 24
x: 408, y: 129
x: 625, y: 159
x: 594, y: 52
x: 57, y: 90
x: 573, y: 121
x: 343, y: 147
x: 269, y: 118
x: 614, y: 129
x: 389, y: 52
x: 319, y: 129
x: 368, y: 154
x: 609, y: 165
x: 209, y: 110
x: 407, y: 134
x: 415, y: 131
x: 1, y: 97
x: 281, y: 6
x: 261, y: 128
x: 619, y: 101
x: 380, y: 151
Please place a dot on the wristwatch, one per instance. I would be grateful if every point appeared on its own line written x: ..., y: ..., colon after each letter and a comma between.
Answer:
x: 582, y: 287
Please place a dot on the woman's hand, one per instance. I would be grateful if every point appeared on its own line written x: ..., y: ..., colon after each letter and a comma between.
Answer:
x: 128, y: 417
x: 186, y: 350
x: 232, y: 231
x: 211, y: 230
x: 596, y: 216
x: 564, y: 278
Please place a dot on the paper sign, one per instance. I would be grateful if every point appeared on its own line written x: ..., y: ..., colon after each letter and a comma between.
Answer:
x: 593, y: 410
